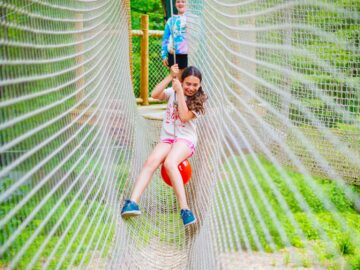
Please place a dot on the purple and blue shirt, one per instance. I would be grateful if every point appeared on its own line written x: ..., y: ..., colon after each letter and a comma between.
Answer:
x: 177, y: 25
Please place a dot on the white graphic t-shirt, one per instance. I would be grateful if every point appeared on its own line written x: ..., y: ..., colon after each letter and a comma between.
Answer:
x: 184, y: 130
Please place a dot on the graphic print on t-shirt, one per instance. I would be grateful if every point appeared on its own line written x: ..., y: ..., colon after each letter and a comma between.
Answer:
x: 184, y: 130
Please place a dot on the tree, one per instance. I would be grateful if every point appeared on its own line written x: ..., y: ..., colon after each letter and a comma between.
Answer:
x: 155, y: 10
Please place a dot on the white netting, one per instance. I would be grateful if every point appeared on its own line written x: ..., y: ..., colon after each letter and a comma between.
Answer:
x: 280, y: 139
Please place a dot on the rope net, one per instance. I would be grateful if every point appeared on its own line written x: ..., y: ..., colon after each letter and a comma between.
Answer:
x: 278, y: 153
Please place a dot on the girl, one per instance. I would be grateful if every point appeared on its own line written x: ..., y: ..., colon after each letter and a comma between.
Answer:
x: 174, y: 38
x: 178, y: 137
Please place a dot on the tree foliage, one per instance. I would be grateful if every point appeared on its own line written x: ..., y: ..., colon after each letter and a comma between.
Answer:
x: 151, y: 7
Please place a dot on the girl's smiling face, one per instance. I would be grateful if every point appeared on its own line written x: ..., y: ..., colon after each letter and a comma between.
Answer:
x: 191, y: 85
x: 181, y: 6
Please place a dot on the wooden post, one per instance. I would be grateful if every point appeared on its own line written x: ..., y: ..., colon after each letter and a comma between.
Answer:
x: 287, y: 62
x: 144, y: 79
x: 128, y: 14
x: 79, y: 60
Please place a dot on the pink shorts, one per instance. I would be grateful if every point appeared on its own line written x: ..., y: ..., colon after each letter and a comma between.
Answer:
x: 187, y: 142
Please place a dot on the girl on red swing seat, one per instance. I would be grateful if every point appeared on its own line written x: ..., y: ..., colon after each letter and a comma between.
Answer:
x: 177, y: 140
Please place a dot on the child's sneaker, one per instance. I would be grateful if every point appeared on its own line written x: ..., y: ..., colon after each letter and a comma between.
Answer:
x: 187, y: 217
x: 130, y: 209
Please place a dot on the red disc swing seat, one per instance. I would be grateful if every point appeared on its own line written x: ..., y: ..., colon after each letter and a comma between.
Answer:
x: 184, y: 169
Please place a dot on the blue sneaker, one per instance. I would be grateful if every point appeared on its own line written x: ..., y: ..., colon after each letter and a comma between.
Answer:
x: 187, y: 217
x: 130, y: 209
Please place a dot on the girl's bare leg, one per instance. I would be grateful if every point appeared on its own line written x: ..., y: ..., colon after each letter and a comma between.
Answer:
x: 157, y: 156
x: 178, y: 153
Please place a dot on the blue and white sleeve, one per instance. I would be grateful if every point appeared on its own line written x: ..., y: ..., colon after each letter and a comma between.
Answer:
x: 165, y: 40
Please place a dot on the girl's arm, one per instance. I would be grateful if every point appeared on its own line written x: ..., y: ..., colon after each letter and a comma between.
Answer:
x: 184, y: 113
x: 158, y: 92
x: 165, y: 39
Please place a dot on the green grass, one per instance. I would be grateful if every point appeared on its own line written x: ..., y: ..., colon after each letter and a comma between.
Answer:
x: 15, y: 247
x: 343, y: 240
x: 99, y: 224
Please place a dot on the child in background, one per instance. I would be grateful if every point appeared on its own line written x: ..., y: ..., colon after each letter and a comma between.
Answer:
x: 175, y: 28
x: 178, y: 137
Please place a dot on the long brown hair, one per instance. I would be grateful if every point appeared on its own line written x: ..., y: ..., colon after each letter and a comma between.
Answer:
x: 195, y: 102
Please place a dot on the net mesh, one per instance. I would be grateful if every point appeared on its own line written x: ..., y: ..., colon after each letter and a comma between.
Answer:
x: 156, y: 69
x: 278, y: 148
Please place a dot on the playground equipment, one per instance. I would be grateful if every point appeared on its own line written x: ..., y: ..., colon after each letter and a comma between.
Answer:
x: 278, y: 147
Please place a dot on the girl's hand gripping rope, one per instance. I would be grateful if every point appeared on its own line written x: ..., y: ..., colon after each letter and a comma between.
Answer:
x: 174, y: 71
x: 177, y: 86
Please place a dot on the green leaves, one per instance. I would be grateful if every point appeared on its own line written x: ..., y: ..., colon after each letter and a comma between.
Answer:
x: 151, y: 7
